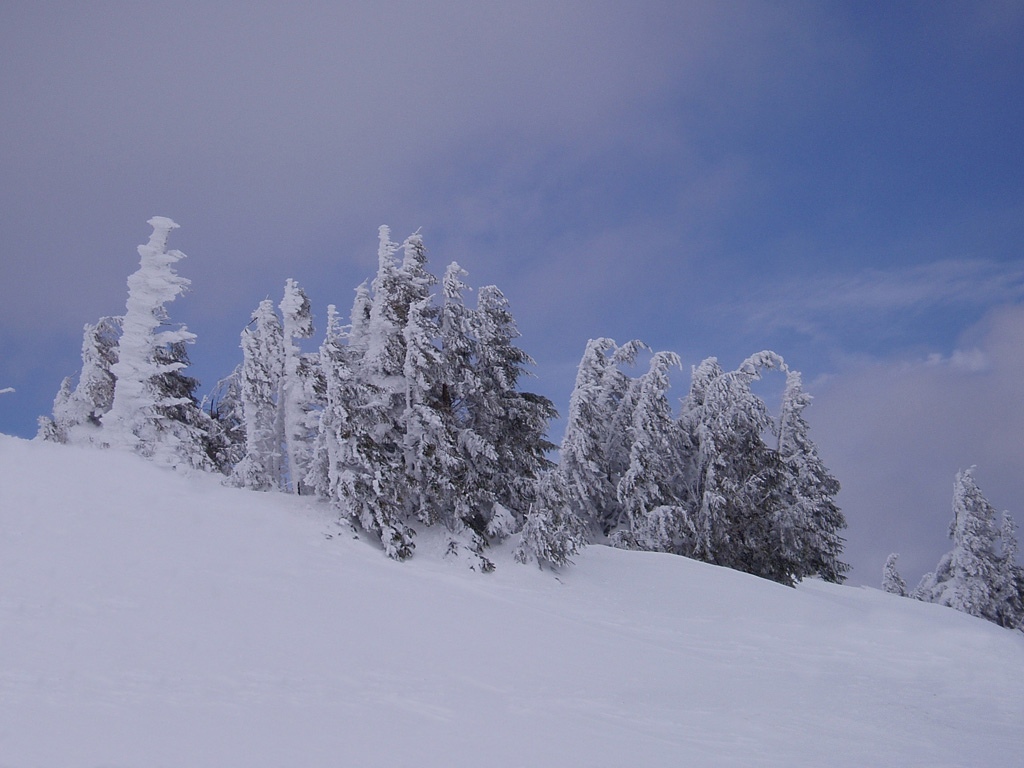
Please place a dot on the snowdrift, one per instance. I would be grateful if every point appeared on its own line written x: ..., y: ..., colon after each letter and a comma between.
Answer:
x: 149, y: 618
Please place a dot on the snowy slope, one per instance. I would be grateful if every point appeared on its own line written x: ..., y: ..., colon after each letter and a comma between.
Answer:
x: 151, y: 619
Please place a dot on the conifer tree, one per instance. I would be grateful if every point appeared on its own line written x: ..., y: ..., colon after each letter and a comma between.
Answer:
x: 225, y: 408
x: 511, y: 424
x: 892, y: 582
x: 297, y: 398
x: 262, y: 373
x: 730, y: 468
x: 373, y: 486
x: 648, y: 488
x: 595, y: 449
x: 153, y: 411
x: 78, y: 412
x: 807, y: 520
x: 552, y: 532
x: 968, y: 577
x: 431, y: 452
x: 1009, y: 590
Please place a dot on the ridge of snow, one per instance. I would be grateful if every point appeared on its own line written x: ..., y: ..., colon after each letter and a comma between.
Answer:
x: 148, y: 618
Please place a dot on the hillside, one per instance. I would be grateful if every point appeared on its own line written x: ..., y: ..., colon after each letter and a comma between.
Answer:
x: 148, y: 618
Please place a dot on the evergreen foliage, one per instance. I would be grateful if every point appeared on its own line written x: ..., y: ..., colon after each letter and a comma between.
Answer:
x: 77, y: 413
x: 979, y: 576
x: 892, y: 582
x: 132, y: 391
x: 414, y: 415
x: 704, y: 484
x: 262, y: 374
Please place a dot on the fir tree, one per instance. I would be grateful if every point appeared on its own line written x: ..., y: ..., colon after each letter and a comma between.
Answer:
x: 262, y: 373
x: 1009, y: 591
x: 730, y: 468
x: 372, y: 485
x: 968, y: 578
x: 224, y: 405
x: 511, y: 424
x: 297, y: 398
x: 552, y: 531
x: 648, y: 488
x: 595, y: 449
x: 431, y: 452
x: 807, y: 521
x: 892, y: 582
x: 78, y: 412
x: 153, y: 411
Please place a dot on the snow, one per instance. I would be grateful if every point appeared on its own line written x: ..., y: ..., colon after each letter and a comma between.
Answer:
x: 150, y: 618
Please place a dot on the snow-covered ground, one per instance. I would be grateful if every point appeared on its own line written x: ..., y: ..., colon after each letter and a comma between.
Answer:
x: 152, y: 619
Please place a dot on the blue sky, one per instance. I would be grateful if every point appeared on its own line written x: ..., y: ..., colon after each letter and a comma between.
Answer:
x: 840, y: 182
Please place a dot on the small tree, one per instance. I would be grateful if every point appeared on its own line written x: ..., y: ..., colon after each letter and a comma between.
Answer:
x: 969, y: 577
x: 552, y: 531
x: 892, y: 582
x: 78, y: 412
x: 1009, y: 591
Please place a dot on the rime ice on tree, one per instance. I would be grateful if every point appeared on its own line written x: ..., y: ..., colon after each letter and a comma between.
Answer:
x: 142, y: 416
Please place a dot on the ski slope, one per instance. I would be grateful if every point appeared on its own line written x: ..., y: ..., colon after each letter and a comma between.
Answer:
x: 153, y: 619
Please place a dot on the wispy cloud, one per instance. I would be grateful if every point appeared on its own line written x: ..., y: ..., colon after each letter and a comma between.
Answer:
x: 812, y: 305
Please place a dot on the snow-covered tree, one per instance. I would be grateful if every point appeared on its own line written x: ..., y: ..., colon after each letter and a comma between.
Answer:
x: 297, y: 397
x: 224, y: 405
x: 263, y: 467
x: 510, y: 424
x: 648, y: 490
x: 372, y: 484
x: 892, y: 582
x: 729, y: 469
x: 595, y: 449
x: 1009, y: 591
x: 150, y: 394
x: 552, y: 532
x: 807, y: 520
x: 968, y: 578
x: 77, y: 412
x: 432, y: 461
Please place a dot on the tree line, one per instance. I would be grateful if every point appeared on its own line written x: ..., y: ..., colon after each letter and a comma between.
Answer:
x: 413, y: 415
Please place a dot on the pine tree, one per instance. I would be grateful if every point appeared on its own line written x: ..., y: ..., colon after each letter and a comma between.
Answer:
x: 1008, y: 591
x: 892, y: 582
x: 511, y: 424
x: 153, y: 411
x: 975, y: 561
x: 807, y: 519
x: 77, y: 413
x: 552, y: 531
x: 968, y: 578
x: 297, y: 398
x: 459, y: 382
x: 648, y: 488
x: 730, y: 470
x: 225, y: 408
x: 262, y: 468
x: 372, y: 484
x: 432, y: 459
x: 595, y: 449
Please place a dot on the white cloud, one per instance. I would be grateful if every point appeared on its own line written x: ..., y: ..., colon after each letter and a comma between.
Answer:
x: 896, y: 431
